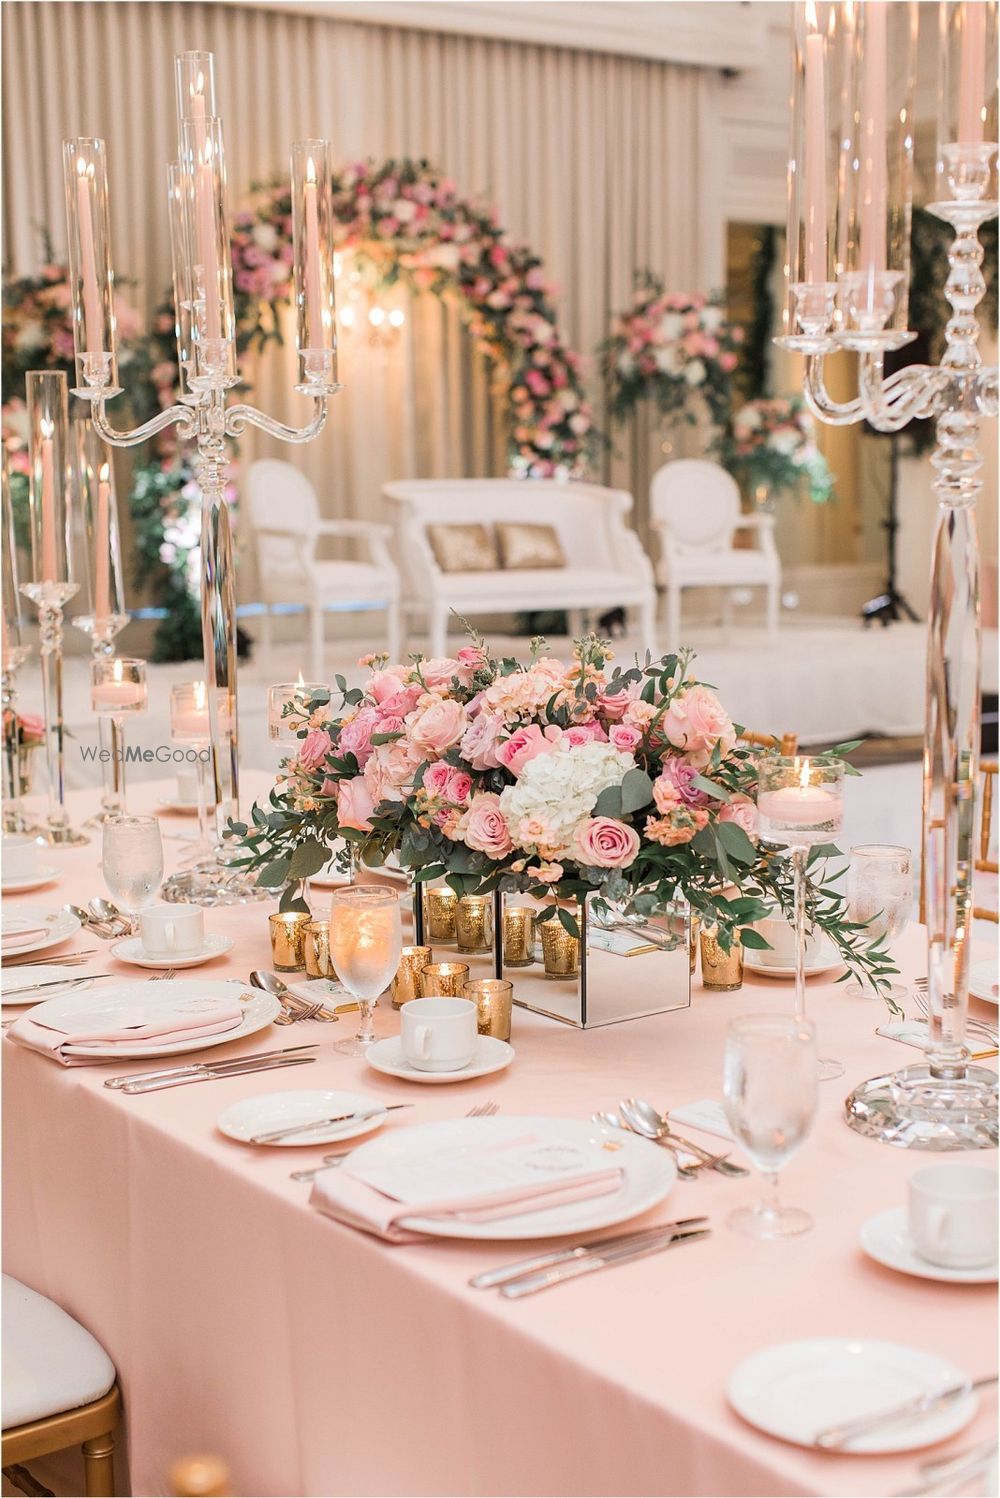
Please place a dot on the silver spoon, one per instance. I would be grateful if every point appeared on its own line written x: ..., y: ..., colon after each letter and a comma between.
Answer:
x: 687, y: 1172
x: 103, y: 910
x: 296, y: 1007
x: 645, y: 1119
x: 90, y: 922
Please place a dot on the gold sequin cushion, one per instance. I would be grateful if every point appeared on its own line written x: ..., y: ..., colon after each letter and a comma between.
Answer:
x: 527, y: 546
x: 463, y: 548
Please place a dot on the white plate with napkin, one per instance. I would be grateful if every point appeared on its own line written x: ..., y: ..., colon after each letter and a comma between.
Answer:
x: 166, y: 1018
x: 33, y: 928
x: 496, y: 1179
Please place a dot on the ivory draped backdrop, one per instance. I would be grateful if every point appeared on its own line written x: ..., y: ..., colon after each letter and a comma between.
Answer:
x: 593, y: 160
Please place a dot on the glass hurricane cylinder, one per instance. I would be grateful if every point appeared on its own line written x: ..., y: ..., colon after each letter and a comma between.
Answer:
x: 194, y: 81
x: 91, y: 279
x: 51, y: 587
x: 95, y: 561
x: 967, y: 91
x: 15, y: 653
x: 312, y: 240
x: 117, y: 689
x: 181, y: 273
x: 876, y: 178
x: 189, y: 726
x: 203, y: 190
x: 288, y: 706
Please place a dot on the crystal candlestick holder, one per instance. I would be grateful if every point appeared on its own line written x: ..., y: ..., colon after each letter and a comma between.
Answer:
x: 800, y: 806
x: 117, y: 690
x: 50, y: 599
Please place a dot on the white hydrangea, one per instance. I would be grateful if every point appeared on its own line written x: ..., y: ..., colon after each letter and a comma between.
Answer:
x: 560, y: 788
x: 711, y: 319
x: 669, y: 360
x: 671, y: 326
x: 695, y: 372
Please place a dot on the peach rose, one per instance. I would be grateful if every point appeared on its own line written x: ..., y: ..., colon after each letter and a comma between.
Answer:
x: 679, y: 825
x: 315, y: 747
x: 355, y: 804
x: 485, y: 829
x: 606, y: 843
x: 526, y: 744
x: 384, y: 684
x: 546, y: 873
x: 433, y: 729
x: 696, y: 721
x: 439, y: 671
x: 481, y: 741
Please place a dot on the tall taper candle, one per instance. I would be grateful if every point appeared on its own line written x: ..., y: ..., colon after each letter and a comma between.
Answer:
x: 972, y: 82
x: 102, y: 543
x: 50, y: 565
x: 873, y: 138
x: 313, y: 279
x: 93, y: 319
x: 815, y: 151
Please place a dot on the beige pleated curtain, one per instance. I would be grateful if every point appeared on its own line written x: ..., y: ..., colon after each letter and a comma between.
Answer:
x: 594, y: 160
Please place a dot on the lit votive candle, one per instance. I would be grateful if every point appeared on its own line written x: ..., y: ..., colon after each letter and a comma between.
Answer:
x: 439, y: 912
x: 288, y: 940
x: 281, y: 725
x: 493, y: 998
x: 443, y: 980
x: 117, y: 685
x: 560, y: 950
x: 406, y: 984
x: 316, y: 950
x: 474, y: 924
x: 518, y: 936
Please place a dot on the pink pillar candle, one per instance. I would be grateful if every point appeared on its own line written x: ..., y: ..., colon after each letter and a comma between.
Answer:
x: 93, y: 317
x: 50, y: 565
x: 117, y: 696
x: 799, y: 805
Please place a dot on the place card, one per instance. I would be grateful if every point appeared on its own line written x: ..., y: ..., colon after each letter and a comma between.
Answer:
x: 706, y: 1114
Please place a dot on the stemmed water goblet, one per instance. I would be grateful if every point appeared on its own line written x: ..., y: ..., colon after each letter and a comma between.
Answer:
x: 366, y: 942
x: 132, y: 862
x: 880, y: 897
x: 770, y: 1092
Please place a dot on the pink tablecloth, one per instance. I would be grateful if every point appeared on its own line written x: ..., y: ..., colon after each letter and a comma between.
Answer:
x: 315, y: 1360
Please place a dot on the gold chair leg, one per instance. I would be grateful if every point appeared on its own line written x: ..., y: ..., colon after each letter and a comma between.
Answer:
x: 19, y: 1477
x: 98, y: 1466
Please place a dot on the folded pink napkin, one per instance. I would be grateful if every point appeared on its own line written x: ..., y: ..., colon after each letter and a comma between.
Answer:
x: 341, y: 1195
x: 175, y: 1020
x: 11, y: 941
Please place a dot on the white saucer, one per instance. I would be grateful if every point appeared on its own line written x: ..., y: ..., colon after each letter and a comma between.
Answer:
x: 276, y: 1110
x: 983, y: 979
x: 179, y: 808
x: 489, y: 1056
x: 130, y: 949
x: 795, y: 1390
x: 826, y: 960
x: 15, y: 884
x: 885, y: 1238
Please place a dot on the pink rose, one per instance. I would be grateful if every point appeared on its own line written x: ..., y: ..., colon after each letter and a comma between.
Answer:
x: 436, y: 778
x: 383, y: 684
x: 674, y: 785
x: 526, y: 744
x: 459, y: 787
x: 480, y: 741
x: 355, y: 804
x: 744, y: 813
x: 696, y: 721
x: 445, y: 782
x: 356, y: 736
x: 604, y: 843
x: 439, y: 671
x: 315, y: 747
x: 485, y: 829
x: 471, y: 658
x: 398, y: 704
x: 433, y: 729
x: 585, y: 733
x: 546, y: 873
x: 625, y: 736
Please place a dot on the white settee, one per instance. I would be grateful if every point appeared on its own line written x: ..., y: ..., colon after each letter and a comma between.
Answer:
x: 606, y: 566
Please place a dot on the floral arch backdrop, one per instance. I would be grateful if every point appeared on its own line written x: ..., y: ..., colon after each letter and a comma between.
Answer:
x: 403, y: 221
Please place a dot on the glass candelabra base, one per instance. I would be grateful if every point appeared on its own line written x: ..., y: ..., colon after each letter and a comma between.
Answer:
x: 62, y: 835
x: 915, y: 1110
x: 213, y: 883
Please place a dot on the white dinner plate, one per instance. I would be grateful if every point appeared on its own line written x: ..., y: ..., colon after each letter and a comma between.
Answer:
x: 490, y: 1055
x: 984, y: 981
x: 277, y: 1110
x: 886, y: 1238
x: 648, y: 1172
x: 127, y: 999
x: 15, y: 980
x: 16, y: 884
x: 130, y: 949
x: 795, y: 1390
x: 826, y: 960
x: 59, y: 924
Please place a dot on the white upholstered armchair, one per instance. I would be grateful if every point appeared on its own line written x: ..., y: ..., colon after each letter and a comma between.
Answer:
x: 695, y: 510
x: 284, y: 513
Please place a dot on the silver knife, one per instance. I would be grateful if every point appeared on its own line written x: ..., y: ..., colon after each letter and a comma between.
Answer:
x: 491, y: 1277
x: 54, y: 983
x: 210, y: 1074
x: 530, y: 1284
x: 837, y: 1436
x: 196, y: 1066
x: 322, y: 1123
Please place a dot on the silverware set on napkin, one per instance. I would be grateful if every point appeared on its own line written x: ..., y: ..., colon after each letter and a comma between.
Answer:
x: 292, y: 1006
x: 479, y: 1110
x: 102, y: 918
x: 636, y: 1116
x: 542, y: 1271
x: 207, y: 1071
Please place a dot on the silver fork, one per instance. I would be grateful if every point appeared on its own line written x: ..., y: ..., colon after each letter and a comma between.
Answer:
x: 168, y: 972
x: 480, y: 1110
x: 978, y: 1026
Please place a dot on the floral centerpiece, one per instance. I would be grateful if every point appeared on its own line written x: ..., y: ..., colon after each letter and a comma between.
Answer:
x: 672, y: 348
x: 558, y: 781
x: 772, y: 445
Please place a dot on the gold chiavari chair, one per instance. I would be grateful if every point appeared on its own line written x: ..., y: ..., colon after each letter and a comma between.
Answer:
x: 787, y: 744
x: 985, y: 864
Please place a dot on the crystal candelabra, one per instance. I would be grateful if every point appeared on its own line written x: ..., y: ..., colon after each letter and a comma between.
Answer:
x: 15, y: 653
x: 206, y: 344
x: 944, y: 1102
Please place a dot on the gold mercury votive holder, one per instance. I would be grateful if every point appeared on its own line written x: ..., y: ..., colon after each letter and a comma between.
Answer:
x: 442, y: 980
x: 518, y: 936
x: 721, y: 972
x: 693, y: 929
x: 439, y: 915
x: 560, y: 950
x: 406, y: 984
x: 474, y: 924
x: 493, y: 998
x: 316, y: 950
x: 288, y: 940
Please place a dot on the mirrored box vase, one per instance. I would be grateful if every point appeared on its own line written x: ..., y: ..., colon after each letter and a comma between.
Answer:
x: 612, y: 972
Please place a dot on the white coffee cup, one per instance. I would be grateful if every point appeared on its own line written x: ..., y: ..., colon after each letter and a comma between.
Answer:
x: 438, y: 1034
x: 172, y: 930
x: 781, y: 934
x: 953, y: 1215
x: 19, y: 856
x: 187, y: 787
